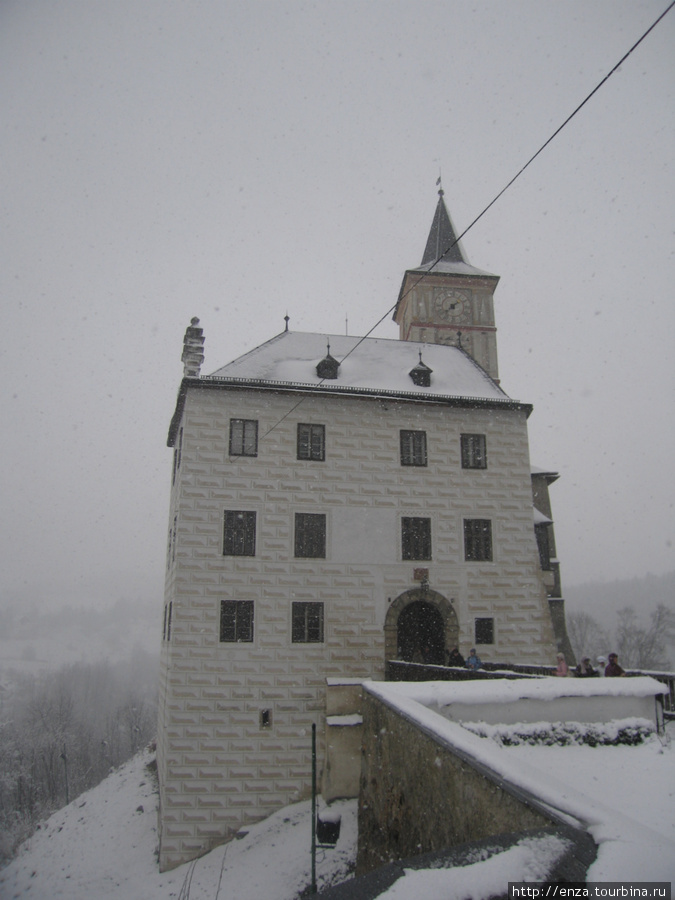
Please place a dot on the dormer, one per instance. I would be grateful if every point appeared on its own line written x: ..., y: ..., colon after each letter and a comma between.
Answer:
x: 421, y: 374
x: 327, y: 368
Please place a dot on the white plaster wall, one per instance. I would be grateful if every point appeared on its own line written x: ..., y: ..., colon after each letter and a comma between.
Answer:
x: 218, y: 769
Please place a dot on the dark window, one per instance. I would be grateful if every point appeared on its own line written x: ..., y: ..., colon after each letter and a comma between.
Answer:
x: 415, y: 538
x: 236, y: 621
x: 485, y: 631
x: 477, y: 539
x: 307, y: 625
x: 239, y: 539
x: 543, y: 545
x: 265, y: 718
x: 243, y: 437
x: 168, y: 622
x: 474, y: 454
x: 312, y: 442
x: 310, y: 535
x: 413, y: 448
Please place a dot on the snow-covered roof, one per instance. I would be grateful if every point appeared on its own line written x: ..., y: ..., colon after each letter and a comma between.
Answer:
x: 452, y: 267
x: 442, y: 693
x: 540, y: 518
x: 549, y: 474
x: 372, y: 365
x: 444, y: 252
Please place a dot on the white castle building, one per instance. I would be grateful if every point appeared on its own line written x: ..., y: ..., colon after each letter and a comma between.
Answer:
x: 339, y: 502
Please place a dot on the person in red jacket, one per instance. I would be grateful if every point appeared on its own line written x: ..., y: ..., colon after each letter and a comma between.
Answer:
x: 613, y: 669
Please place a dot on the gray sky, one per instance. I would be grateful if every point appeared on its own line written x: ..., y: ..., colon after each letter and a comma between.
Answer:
x: 237, y: 160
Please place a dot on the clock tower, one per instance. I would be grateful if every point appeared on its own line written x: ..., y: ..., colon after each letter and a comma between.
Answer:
x: 448, y: 301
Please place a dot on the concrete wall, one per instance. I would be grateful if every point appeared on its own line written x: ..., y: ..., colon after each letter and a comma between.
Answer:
x: 344, y: 732
x: 218, y: 769
x: 562, y: 709
x: 416, y: 796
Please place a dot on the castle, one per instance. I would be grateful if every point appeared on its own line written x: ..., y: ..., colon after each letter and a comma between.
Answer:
x: 338, y: 502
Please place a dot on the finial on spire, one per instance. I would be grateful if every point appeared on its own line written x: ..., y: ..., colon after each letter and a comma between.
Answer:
x: 439, y: 183
x: 287, y: 319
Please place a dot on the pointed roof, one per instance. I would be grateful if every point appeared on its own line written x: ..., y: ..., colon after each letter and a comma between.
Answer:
x: 442, y: 237
x: 443, y: 252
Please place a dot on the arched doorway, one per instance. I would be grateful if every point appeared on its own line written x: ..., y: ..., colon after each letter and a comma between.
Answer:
x: 419, y: 634
x: 426, y: 618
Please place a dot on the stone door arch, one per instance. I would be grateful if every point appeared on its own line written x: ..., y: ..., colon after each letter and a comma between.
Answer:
x: 420, y: 608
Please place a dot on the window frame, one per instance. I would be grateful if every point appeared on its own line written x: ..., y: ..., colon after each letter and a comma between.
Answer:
x: 478, y: 542
x: 473, y: 451
x: 311, y: 442
x: 241, y: 540
x: 243, y: 624
x: 416, y: 546
x: 240, y: 440
x: 482, y: 624
x: 306, y: 545
x: 312, y: 633
x: 413, y: 447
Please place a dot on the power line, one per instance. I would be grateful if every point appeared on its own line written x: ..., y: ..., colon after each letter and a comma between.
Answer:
x: 501, y: 193
x: 516, y: 176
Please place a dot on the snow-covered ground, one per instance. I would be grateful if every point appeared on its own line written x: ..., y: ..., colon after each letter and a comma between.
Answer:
x: 623, y: 795
x: 103, y: 845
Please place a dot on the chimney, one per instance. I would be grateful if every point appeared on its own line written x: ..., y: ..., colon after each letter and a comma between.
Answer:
x: 193, y: 349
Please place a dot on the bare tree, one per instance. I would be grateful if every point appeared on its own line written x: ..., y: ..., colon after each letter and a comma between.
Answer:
x: 642, y: 647
x: 586, y: 635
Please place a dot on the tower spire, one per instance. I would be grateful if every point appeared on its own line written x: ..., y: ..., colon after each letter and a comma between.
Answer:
x: 442, y: 235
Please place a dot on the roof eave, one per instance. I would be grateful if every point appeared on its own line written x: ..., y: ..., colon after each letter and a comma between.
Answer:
x: 209, y: 382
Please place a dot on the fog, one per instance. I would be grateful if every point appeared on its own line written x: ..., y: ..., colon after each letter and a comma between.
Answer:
x: 239, y: 161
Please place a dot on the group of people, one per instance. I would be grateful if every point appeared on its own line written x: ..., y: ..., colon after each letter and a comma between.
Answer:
x: 612, y: 669
x: 586, y: 670
x: 472, y: 661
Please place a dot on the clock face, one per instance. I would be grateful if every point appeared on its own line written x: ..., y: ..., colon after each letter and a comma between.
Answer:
x: 451, y: 304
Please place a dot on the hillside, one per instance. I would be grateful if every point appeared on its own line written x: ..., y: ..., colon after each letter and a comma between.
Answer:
x: 603, y: 599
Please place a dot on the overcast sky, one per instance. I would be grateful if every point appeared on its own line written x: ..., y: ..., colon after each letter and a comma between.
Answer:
x: 240, y: 160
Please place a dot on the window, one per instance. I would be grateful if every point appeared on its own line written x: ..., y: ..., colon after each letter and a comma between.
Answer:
x: 477, y: 539
x: 312, y: 442
x: 415, y: 538
x: 236, y: 621
x: 484, y: 631
x: 413, y: 448
x: 243, y: 437
x: 544, y: 546
x: 168, y: 621
x: 239, y: 539
x: 474, y: 455
x: 310, y: 535
x: 307, y: 624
